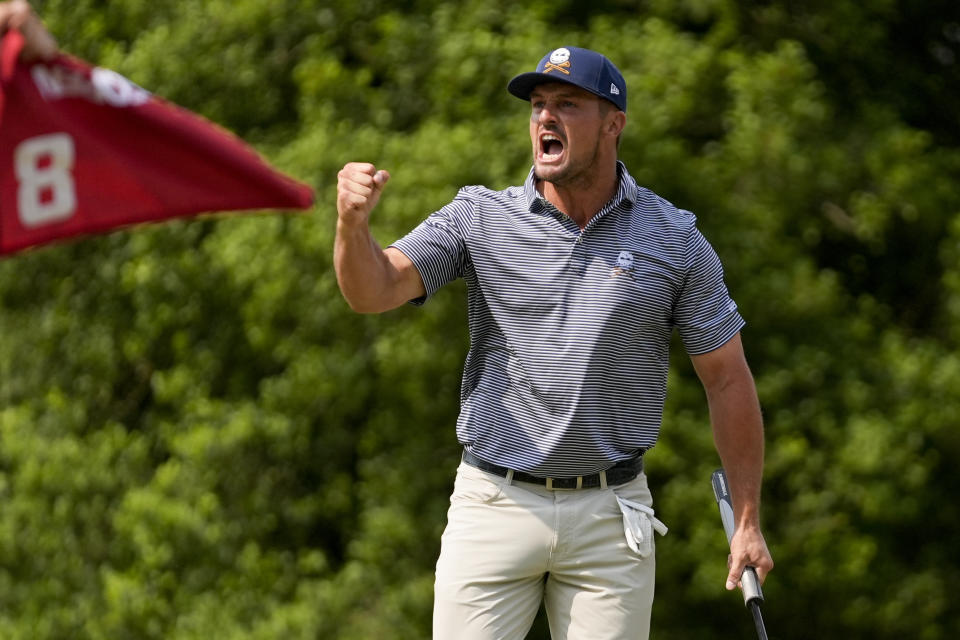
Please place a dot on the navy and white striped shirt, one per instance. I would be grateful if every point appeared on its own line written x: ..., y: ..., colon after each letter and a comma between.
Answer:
x: 569, y: 329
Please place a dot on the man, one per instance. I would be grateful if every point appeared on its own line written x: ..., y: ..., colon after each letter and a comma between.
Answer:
x: 576, y: 281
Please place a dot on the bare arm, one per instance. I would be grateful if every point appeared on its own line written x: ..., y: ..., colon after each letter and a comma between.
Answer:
x: 738, y: 435
x: 37, y: 41
x: 371, y: 279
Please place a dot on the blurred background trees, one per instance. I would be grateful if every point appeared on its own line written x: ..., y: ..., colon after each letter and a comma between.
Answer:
x: 198, y: 439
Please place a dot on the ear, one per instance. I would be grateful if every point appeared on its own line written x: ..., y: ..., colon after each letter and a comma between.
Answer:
x: 616, y: 121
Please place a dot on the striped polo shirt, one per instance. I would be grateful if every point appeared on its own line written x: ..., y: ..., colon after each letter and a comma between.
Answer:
x: 570, y: 330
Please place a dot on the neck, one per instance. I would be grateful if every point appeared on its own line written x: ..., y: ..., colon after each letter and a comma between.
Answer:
x: 581, y: 199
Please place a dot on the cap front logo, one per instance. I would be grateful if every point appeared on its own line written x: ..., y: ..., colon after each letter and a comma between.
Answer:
x: 559, y: 61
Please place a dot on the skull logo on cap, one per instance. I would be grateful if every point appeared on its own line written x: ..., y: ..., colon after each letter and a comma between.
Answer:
x: 559, y: 61
x: 560, y: 56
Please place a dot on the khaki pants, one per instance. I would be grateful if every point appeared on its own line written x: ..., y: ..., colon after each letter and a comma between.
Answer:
x: 507, y: 546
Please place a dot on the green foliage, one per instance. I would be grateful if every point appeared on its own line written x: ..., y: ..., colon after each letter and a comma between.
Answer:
x: 198, y: 438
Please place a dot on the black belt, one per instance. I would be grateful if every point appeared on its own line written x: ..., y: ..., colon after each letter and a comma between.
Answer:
x: 623, y: 471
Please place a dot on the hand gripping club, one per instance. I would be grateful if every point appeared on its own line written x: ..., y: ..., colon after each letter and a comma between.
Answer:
x: 752, y: 596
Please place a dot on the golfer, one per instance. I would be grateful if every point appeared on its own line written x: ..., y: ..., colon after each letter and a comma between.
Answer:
x: 576, y: 280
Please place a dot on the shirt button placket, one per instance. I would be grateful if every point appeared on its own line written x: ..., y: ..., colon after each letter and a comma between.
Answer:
x: 577, y: 259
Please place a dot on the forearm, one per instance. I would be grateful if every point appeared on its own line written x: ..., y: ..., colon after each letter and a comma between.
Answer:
x: 738, y: 435
x: 367, y: 278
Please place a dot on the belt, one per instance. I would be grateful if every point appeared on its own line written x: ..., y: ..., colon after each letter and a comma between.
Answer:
x: 623, y: 471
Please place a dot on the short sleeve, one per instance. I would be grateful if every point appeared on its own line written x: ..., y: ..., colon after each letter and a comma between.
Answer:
x: 705, y: 315
x: 437, y: 246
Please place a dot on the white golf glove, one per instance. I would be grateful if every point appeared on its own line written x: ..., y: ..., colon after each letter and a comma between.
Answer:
x: 639, y: 523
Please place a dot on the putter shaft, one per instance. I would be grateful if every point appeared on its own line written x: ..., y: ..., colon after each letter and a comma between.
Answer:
x: 754, y: 607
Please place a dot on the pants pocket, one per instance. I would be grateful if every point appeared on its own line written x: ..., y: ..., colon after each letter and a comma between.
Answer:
x: 474, y: 485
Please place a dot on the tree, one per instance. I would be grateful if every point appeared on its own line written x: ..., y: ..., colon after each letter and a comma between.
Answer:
x: 199, y: 439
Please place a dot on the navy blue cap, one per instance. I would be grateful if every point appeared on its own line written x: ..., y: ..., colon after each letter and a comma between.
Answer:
x: 580, y: 67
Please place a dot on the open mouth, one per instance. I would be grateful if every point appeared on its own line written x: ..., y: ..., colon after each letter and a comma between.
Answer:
x: 551, y: 147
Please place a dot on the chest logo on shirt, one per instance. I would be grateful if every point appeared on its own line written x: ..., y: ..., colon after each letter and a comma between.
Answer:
x: 624, y: 266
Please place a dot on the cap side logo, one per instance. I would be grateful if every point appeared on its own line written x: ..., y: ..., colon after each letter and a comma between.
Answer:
x: 559, y: 61
x: 614, y: 90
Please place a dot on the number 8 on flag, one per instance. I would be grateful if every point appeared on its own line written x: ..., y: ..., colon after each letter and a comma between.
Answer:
x: 45, y: 193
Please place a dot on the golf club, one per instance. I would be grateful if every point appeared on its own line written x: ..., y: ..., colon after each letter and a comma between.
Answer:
x: 752, y: 596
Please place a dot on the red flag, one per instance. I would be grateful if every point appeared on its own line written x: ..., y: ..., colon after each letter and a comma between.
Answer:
x: 84, y: 150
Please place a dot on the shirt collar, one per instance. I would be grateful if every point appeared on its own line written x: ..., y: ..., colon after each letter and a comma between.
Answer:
x: 626, y: 190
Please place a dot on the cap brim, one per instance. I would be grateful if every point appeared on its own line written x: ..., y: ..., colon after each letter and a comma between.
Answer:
x: 523, y: 84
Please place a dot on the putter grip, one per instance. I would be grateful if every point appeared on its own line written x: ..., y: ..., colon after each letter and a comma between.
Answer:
x: 748, y: 580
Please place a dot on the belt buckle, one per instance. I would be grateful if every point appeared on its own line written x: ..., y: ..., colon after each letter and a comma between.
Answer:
x: 550, y: 487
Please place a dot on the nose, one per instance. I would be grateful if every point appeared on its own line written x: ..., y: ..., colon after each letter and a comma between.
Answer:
x: 545, y: 115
